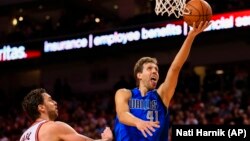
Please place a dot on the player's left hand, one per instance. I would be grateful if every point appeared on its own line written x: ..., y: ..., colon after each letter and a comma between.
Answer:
x: 107, y: 134
x: 147, y: 127
x: 198, y: 29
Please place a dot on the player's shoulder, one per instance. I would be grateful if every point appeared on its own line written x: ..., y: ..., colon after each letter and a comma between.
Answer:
x: 124, y: 92
x: 55, y: 129
x: 48, y: 126
x: 57, y: 126
x: 60, y: 124
x: 54, y: 125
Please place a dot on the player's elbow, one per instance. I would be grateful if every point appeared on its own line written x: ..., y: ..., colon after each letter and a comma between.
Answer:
x: 122, y: 117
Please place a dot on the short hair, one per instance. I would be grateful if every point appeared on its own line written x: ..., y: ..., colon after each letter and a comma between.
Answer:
x: 31, y: 101
x: 139, y: 65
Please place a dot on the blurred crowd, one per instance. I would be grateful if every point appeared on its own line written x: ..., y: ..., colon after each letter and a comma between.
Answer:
x: 220, y: 98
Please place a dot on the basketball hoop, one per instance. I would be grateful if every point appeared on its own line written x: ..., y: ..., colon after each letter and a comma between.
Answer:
x: 176, y: 7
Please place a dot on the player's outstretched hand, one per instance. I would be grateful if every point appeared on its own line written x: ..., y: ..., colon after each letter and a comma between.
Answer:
x: 198, y: 29
x: 147, y: 127
x: 107, y: 134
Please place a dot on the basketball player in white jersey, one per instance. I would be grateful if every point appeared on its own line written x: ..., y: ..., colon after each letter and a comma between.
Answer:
x: 42, y: 109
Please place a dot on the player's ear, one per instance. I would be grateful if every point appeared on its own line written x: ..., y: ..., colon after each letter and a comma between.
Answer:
x: 41, y: 107
x: 139, y: 75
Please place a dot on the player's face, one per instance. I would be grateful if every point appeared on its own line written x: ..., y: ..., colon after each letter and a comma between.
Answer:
x: 149, y: 76
x: 50, y: 106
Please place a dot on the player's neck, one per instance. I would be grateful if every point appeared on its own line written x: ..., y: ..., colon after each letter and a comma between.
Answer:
x: 143, y: 90
x: 38, y: 120
x: 42, y: 117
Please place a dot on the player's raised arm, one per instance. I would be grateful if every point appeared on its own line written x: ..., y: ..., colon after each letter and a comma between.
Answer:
x: 167, y: 88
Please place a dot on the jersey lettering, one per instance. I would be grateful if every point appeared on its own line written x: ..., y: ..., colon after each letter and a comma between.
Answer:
x: 144, y: 104
x: 30, y: 134
x: 26, y: 137
x: 152, y: 115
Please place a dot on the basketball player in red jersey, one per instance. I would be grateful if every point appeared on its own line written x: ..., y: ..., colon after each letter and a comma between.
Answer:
x: 43, y: 110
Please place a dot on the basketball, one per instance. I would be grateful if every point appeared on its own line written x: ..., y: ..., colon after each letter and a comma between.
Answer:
x: 197, y: 11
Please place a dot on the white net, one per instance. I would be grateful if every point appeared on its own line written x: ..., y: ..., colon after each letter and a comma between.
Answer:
x: 175, y: 7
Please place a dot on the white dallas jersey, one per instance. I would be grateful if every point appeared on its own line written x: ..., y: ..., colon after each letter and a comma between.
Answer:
x: 31, y: 134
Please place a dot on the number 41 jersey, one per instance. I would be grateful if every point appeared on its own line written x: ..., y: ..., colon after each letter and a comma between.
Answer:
x: 148, y: 108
